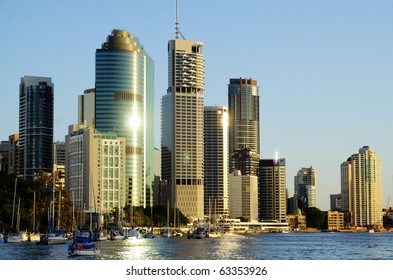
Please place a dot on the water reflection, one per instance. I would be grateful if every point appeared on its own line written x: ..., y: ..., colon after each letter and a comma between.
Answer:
x: 294, y: 246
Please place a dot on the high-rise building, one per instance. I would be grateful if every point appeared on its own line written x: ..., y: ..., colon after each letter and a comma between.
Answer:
x: 272, y: 190
x: 86, y: 107
x: 335, y: 202
x: 13, y: 154
x: 35, y: 126
x: 95, y: 161
x: 305, y: 188
x: 4, y: 154
x: 243, y: 196
x: 243, y: 105
x: 361, y: 188
x: 124, y: 104
x: 216, y: 190
x: 182, y: 112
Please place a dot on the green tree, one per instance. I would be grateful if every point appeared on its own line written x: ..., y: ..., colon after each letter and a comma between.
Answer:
x: 315, y: 218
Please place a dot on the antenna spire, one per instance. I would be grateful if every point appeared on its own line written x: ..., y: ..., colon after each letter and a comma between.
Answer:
x: 177, y: 25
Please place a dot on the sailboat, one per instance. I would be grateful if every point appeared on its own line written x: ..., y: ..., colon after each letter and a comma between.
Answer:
x: 54, y: 235
x: 14, y: 235
x: 34, y: 235
x: 84, y: 244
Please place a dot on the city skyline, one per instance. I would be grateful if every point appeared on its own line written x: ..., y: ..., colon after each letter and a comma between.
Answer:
x: 323, y: 69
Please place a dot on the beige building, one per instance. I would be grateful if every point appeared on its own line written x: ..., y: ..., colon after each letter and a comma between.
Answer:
x: 335, y: 220
x: 361, y: 188
x: 182, y: 128
x: 95, y: 169
x: 243, y: 196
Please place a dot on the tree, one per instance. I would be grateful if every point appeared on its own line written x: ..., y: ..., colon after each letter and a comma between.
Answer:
x: 315, y: 218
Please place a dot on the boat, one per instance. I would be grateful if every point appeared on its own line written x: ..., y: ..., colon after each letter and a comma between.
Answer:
x: 15, y: 235
x: 168, y: 233
x: 150, y: 235
x: 34, y: 235
x: 102, y: 235
x: 117, y: 234
x: 83, y: 243
x: 371, y: 231
x: 84, y: 249
x: 133, y: 233
x: 55, y: 236
x: 199, y: 233
x: 214, y: 233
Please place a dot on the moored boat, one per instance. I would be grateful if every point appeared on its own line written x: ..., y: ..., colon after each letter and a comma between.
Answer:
x: 83, y: 249
x: 14, y: 236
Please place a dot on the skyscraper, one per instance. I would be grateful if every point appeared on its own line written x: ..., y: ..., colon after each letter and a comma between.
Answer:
x: 305, y: 188
x: 243, y: 105
x: 182, y: 146
x: 361, y: 188
x: 216, y: 162
x: 35, y: 126
x: 272, y: 191
x: 86, y: 107
x: 124, y: 104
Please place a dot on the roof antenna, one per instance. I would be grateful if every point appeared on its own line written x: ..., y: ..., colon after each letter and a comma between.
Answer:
x: 177, y: 26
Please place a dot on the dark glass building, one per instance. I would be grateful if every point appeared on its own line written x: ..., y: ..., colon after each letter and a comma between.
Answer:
x: 35, y: 126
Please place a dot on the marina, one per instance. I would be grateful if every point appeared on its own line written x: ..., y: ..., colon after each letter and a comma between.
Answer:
x: 268, y: 246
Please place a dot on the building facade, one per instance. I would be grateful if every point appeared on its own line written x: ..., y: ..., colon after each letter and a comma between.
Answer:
x: 182, y: 132
x: 272, y: 190
x: 216, y: 192
x: 361, y: 188
x: 95, y: 168
x: 305, y: 188
x: 124, y: 104
x: 35, y: 126
x: 86, y: 107
x: 243, y: 106
x: 243, y: 196
x: 13, y: 154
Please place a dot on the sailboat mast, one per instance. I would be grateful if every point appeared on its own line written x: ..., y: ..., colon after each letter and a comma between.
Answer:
x: 13, y: 206
x: 34, y: 212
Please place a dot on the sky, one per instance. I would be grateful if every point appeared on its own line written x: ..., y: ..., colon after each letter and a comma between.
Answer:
x: 324, y: 68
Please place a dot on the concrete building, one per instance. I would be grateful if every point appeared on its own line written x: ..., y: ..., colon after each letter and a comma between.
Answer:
x: 272, y: 190
x: 216, y: 190
x: 361, y: 188
x: 86, y: 107
x: 95, y: 162
x: 182, y: 132
x: 335, y: 220
x: 243, y: 196
x: 335, y: 202
x: 13, y: 154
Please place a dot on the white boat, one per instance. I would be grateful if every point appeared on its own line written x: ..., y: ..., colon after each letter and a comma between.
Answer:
x: 117, y: 234
x: 14, y: 236
x: 168, y: 233
x: 33, y: 236
x: 371, y: 231
x: 56, y: 237
x: 84, y: 249
x: 133, y: 234
x: 150, y: 235
x: 102, y: 236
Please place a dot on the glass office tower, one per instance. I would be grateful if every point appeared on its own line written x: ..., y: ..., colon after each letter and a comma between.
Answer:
x: 35, y: 126
x: 124, y: 103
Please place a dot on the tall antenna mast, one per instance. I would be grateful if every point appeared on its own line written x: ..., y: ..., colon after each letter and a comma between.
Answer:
x: 177, y: 20
x: 177, y: 25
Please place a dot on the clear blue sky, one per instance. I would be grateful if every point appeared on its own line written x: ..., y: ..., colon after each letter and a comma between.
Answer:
x: 325, y: 68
